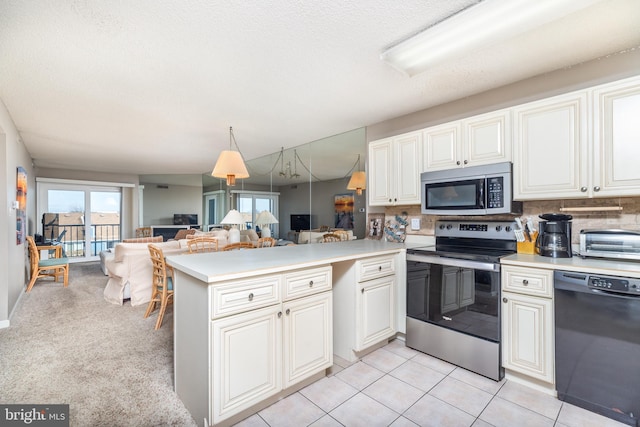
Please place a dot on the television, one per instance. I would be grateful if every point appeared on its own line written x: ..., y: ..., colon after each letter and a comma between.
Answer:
x: 300, y: 222
x: 185, y: 219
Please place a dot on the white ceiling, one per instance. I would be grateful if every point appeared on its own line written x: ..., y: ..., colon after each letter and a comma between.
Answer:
x: 152, y: 86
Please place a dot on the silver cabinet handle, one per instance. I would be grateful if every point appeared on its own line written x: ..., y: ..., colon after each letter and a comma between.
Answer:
x: 379, y: 268
x: 583, y: 189
x: 505, y: 300
x: 596, y: 188
x: 525, y: 282
x: 466, y: 162
x: 390, y: 200
x: 251, y: 296
x: 279, y: 314
x: 311, y: 283
x: 458, y: 163
x: 288, y: 311
x: 362, y: 291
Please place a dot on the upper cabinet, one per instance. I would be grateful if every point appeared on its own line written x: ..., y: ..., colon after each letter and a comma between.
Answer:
x: 550, y: 149
x: 394, y: 170
x: 477, y: 140
x: 578, y: 145
x: 616, y: 139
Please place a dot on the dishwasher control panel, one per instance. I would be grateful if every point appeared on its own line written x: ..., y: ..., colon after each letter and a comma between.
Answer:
x: 615, y: 284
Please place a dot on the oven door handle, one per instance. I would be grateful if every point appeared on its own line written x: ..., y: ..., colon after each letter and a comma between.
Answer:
x: 453, y: 262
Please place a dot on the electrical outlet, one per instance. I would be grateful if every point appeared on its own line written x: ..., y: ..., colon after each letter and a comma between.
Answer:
x: 415, y: 223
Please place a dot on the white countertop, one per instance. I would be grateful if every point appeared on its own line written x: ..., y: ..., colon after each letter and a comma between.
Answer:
x: 578, y: 264
x: 222, y: 266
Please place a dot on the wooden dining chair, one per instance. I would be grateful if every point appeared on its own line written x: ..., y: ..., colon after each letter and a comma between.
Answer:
x: 162, y: 285
x: 331, y: 237
x: 266, y: 242
x: 56, y: 267
x: 239, y: 245
x: 342, y: 234
x: 202, y: 244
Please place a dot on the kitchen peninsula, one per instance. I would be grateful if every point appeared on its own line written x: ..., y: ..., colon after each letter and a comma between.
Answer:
x: 251, y: 326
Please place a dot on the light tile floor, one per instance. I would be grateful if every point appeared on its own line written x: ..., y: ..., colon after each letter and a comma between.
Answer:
x: 397, y: 386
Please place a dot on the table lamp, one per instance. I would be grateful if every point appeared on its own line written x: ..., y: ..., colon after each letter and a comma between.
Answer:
x: 233, y: 218
x: 263, y: 220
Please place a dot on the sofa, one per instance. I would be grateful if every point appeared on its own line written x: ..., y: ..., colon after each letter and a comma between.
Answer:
x: 130, y: 271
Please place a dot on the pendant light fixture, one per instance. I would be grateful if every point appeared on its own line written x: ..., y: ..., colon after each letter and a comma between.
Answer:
x: 230, y: 164
x: 358, y: 180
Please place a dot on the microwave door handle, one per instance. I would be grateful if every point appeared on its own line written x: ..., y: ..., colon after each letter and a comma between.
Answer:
x: 481, y: 198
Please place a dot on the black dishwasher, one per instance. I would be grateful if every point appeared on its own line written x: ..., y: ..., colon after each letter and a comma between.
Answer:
x: 597, y: 325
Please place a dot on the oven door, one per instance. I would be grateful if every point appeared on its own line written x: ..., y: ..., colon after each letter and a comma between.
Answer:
x: 454, y: 197
x: 460, y: 295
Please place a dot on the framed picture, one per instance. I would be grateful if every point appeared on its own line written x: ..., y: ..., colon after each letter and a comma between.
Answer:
x: 375, y: 226
x: 343, y: 204
x: 21, y: 211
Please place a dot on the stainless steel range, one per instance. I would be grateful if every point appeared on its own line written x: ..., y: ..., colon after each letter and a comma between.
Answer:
x: 453, y: 294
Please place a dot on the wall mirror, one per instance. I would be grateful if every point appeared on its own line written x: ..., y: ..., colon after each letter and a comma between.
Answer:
x: 307, y: 179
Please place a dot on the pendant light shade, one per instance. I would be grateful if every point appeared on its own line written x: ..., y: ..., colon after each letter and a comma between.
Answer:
x: 358, y: 182
x: 230, y: 164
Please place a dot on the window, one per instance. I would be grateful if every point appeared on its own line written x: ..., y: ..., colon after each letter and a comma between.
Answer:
x: 250, y: 204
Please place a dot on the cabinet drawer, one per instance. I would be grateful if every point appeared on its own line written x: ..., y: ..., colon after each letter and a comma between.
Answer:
x: 243, y: 295
x: 306, y: 282
x: 372, y: 268
x: 528, y: 281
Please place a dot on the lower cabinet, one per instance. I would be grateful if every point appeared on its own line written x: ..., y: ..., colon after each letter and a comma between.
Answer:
x: 527, y: 323
x: 364, y: 304
x: 258, y: 353
x: 375, y: 312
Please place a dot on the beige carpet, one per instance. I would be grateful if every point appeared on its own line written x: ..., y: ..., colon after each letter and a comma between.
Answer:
x: 106, y: 361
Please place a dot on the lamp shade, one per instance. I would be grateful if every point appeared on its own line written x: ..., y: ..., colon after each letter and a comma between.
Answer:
x: 358, y: 182
x: 233, y: 217
x: 230, y: 166
x: 266, y: 217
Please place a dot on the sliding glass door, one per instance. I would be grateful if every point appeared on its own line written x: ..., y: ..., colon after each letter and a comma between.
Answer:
x: 85, y: 220
x: 250, y: 204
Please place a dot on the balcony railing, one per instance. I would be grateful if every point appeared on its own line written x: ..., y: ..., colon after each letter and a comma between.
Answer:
x: 72, y: 238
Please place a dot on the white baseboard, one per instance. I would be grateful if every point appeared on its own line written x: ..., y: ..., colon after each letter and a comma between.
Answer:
x: 4, y: 324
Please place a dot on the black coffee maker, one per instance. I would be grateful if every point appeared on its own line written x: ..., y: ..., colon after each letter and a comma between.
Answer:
x: 554, y: 238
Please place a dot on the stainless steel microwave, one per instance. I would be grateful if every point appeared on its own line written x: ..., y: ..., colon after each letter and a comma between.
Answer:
x: 475, y: 190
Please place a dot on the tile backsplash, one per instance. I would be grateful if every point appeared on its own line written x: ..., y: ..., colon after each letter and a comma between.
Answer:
x: 628, y: 218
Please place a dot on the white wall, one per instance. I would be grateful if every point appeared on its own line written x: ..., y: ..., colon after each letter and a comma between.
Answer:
x: 159, y: 204
x: 13, y: 258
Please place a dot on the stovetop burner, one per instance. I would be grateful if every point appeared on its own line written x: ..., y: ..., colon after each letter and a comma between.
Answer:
x: 472, y: 240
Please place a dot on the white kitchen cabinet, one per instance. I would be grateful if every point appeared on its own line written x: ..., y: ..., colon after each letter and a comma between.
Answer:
x: 558, y: 155
x: 258, y: 352
x: 364, y: 304
x: 477, y: 140
x: 550, y: 149
x: 375, y: 311
x: 616, y: 139
x: 527, y: 322
x: 246, y: 350
x: 307, y: 338
x: 394, y: 170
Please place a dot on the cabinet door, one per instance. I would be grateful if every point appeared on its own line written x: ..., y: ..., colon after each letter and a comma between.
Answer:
x: 380, y: 188
x: 550, y: 148
x: 375, y: 308
x: 247, y: 360
x: 617, y: 139
x: 407, y: 163
x: 308, y: 343
x: 487, y: 139
x: 442, y: 147
x: 527, y: 336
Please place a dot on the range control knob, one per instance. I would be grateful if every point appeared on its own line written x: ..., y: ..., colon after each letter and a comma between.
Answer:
x: 449, y: 227
x: 441, y: 227
x: 507, y: 228
x: 498, y: 228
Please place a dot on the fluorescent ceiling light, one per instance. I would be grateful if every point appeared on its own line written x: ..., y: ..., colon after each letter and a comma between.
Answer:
x: 476, y: 27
